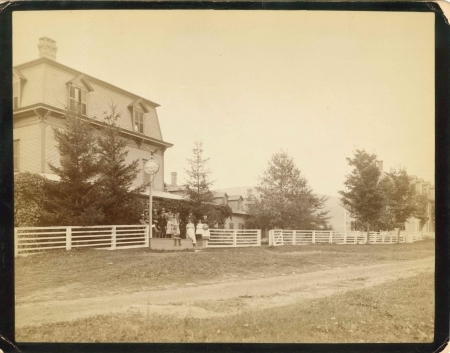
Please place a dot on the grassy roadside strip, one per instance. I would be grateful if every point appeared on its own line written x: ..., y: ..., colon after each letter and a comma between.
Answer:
x: 399, y: 311
x: 87, y: 273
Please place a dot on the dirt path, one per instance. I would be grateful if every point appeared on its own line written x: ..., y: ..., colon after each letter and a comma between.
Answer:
x: 253, y: 294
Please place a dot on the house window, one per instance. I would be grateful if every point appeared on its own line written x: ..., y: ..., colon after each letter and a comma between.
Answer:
x: 231, y: 225
x: 16, y: 148
x: 240, y: 226
x: 138, y: 121
x: 240, y: 205
x: 146, y: 176
x: 77, y: 100
x: 16, y: 95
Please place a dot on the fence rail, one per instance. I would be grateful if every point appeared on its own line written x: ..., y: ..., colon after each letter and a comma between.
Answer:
x: 36, y: 239
x: 227, y: 238
x: 299, y: 237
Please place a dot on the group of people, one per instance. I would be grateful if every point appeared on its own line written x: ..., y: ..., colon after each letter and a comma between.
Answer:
x: 169, y: 224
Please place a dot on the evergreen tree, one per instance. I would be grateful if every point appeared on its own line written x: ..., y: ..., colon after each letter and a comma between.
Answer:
x: 120, y: 203
x: 75, y: 199
x: 286, y: 200
x: 198, y: 184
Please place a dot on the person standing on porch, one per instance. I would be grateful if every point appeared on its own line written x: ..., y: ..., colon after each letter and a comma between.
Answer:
x: 175, y: 229
x: 155, y: 228
x: 206, y: 227
x: 190, y: 233
x: 162, y: 223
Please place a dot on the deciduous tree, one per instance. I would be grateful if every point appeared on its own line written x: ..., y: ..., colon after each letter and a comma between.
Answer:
x: 29, y: 199
x: 364, y: 196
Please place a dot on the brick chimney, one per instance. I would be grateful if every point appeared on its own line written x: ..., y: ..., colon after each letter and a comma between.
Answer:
x: 47, y: 48
x: 380, y: 165
x: 174, y: 179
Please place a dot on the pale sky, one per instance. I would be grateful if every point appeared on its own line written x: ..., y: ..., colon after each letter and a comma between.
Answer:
x: 316, y: 84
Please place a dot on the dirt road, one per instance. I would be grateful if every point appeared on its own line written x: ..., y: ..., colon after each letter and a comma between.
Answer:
x: 254, y: 294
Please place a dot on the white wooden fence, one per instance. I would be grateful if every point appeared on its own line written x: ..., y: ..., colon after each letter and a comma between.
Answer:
x: 299, y: 237
x: 227, y: 238
x: 37, y: 239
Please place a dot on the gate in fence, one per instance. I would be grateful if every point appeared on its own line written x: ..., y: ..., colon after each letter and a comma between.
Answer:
x: 227, y: 238
x: 300, y: 237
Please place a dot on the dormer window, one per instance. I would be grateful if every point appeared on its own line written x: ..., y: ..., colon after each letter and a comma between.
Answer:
x: 78, y: 90
x: 77, y: 100
x: 138, y: 121
x: 137, y: 110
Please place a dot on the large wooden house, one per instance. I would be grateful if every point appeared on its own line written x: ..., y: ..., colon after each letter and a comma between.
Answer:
x: 44, y: 89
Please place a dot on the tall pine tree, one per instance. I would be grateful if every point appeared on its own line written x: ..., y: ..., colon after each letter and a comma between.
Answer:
x: 198, y: 185
x: 120, y: 203
x: 286, y: 200
x: 75, y: 199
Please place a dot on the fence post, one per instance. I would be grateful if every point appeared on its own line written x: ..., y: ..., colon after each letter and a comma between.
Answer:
x: 258, y: 237
x: 234, y: 238
x: 356, y: 238
x: 345, y: 237
x: 331, y: 237
x: 147, y: 236
x: 391, y: 238
x: 314, y: 237
x: 294, y: 237
x: 68, y: 238
x: 16, y: 242
x: 113, y: 238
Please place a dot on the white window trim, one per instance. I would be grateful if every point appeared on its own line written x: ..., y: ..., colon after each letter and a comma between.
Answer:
x: 135, y: 126
x: 83, y: 92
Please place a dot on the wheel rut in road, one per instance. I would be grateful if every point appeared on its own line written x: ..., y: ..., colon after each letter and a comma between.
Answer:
x: 256, y: 294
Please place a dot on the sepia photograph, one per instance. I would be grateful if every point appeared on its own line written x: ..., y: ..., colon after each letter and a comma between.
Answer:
x: 235, y: 176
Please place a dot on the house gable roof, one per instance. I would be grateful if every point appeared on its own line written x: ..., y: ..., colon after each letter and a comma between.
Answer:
x: 235, y: 198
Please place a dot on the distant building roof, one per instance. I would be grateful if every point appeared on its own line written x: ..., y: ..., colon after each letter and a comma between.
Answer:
x: 235, y: 198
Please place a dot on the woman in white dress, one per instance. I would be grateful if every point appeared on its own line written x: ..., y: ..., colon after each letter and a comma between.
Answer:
x: 190, y: 233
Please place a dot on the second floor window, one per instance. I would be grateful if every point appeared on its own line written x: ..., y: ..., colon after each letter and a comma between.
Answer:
x: 78, y: 100
x: 138, y: 121
x: 16, y: 149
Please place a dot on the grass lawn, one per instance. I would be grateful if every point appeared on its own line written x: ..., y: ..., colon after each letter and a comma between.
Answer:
x: 86, y: 273
x: 399, y: 311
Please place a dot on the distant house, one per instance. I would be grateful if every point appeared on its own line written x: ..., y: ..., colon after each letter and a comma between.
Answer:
x: 413, y: 224
x: 238, y: 203
x: 42, y: 91
x: 424, y: 188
